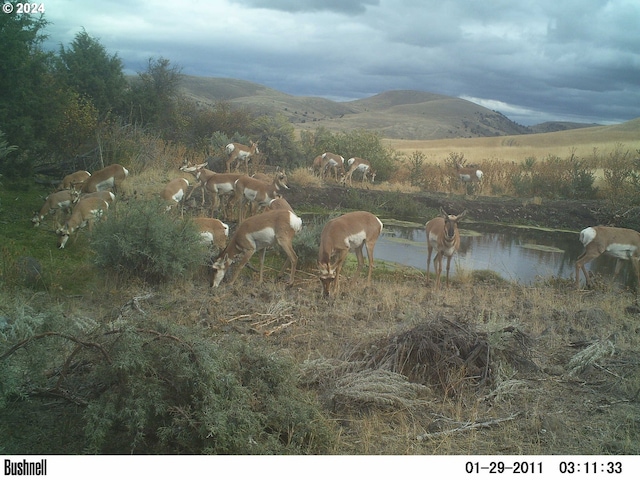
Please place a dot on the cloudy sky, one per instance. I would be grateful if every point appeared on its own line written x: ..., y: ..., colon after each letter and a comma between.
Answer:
x: 534, y: 61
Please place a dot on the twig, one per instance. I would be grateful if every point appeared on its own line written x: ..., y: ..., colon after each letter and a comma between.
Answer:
x: 468, y: 426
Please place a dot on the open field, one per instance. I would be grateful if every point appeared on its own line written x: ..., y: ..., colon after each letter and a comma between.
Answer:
x: 516, y: 148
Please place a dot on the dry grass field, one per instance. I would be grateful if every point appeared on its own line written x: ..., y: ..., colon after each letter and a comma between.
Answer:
x: 516, y: 148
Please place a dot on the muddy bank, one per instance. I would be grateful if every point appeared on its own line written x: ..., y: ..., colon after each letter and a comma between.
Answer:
x: 565, y: 214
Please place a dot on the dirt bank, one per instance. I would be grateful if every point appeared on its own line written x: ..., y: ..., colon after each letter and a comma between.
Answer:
x: 566, y: 214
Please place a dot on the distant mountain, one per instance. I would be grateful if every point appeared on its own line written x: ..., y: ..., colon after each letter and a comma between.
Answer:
x: 402, y: 114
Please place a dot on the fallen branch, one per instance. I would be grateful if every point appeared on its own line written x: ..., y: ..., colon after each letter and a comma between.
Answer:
x: 468, y: 426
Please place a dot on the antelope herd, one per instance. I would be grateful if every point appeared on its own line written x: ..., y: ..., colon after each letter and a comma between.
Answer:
x: 87, y: 198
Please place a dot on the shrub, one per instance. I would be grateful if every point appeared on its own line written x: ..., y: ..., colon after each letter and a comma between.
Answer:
x: 140, y: 385
x: 142, y: 240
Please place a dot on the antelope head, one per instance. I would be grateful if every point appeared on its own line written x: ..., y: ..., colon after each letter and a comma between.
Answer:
x: 327, y: 277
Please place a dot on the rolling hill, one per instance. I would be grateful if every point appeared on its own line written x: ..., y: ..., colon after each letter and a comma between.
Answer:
x: 398, y: 114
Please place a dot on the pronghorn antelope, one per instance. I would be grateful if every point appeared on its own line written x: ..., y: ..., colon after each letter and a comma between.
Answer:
x: 469, y: 176
x: 333, y: 162
x: 202, y: 175
x: 316, y: 166
x: 222, y: 184
x: 357, y: 164
x: 255, y: 233
x: 105, y: 195
x: 174, y: 191
x: 85, y: 212
x: 74, y: 180
x: 443, y: 235
x: 57, y: 200
x: 238, y: 151
x: 109, y: 177
x: 258, y: 193
x: 341, y: 235
x: 213, y: 231
x: 621, y: 243
x: 279, y: 204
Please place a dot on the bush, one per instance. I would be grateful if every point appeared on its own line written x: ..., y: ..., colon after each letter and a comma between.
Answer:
x: 142, y: 240
x: 138, y: 385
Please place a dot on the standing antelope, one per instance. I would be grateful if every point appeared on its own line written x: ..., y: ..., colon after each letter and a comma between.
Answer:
x: 469, y: 176
x: 238, y: 151
x: 85, y: 212
x: 443, y: 235
x: 333, y: 162
x: 109, y: 177
x: 357, y: 164
x: 257, y: 192
x: 213, y: 231
x: 174, y: 191
x: 74, y: 180
x: 57, y: 200
x: 347, y: 233
x: 621, y: 243
x: 255, y: 233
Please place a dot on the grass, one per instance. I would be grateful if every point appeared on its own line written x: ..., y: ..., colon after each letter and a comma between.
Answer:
x: 582, y: 142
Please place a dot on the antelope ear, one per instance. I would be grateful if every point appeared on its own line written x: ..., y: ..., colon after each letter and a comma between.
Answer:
x: 443, y: 212
x: 464, y: 212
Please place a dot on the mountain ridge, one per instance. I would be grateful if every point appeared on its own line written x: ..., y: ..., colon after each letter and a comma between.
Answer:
x: 397, y: 114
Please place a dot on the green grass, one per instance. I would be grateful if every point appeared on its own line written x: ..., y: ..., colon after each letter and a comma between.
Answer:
x: 63, y: 270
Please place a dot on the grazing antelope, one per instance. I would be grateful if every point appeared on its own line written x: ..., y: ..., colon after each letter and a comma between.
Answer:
x: 621, y: 243
x: 74, y: 180
x: 85, y: 212
x: 443, y: 235
x: 238, y: 151
x: 469, y: 176
x: 255, y: 233
x: 357, y: 164
x: 105, y: 195
x: 174, y: 191
x: 347, y: 233
x: 109, y: 177
x: 258, y: 193
x: 316, y: 166
x: 57, y: 200
x: 333, y: 162
x: 213, y: 231
x: 279, y: 204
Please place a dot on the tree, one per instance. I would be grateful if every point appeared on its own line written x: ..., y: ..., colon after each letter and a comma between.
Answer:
x: 87, y: 68
x: 153, y: 97
x: 27, y: 97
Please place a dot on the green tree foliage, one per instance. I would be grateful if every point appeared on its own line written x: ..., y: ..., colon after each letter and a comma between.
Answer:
x: 144, y: 241
x: 27, y: 98
x: 153, y: 97
x: 90, y: 71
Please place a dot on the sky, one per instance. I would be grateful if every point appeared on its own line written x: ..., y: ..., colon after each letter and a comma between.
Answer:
x: 533, y: 61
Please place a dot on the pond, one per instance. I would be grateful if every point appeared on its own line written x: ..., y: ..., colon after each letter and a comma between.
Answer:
x: 522, y: 255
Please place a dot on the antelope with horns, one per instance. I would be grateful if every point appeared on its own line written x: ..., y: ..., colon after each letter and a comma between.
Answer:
x: 620, y: 243
x: 357, y: 164
x: 347, y: 233
x: 333, y: 162
x: 85, y: 212
x: 57, y: 200
x: 213, y: 231
x: 74, y: 180
x: 255, y: 233
x: 257, y: 192
x: 174, y: 191
x: 238, y: 151
x: 109, y: 177
x: 443, y: 235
